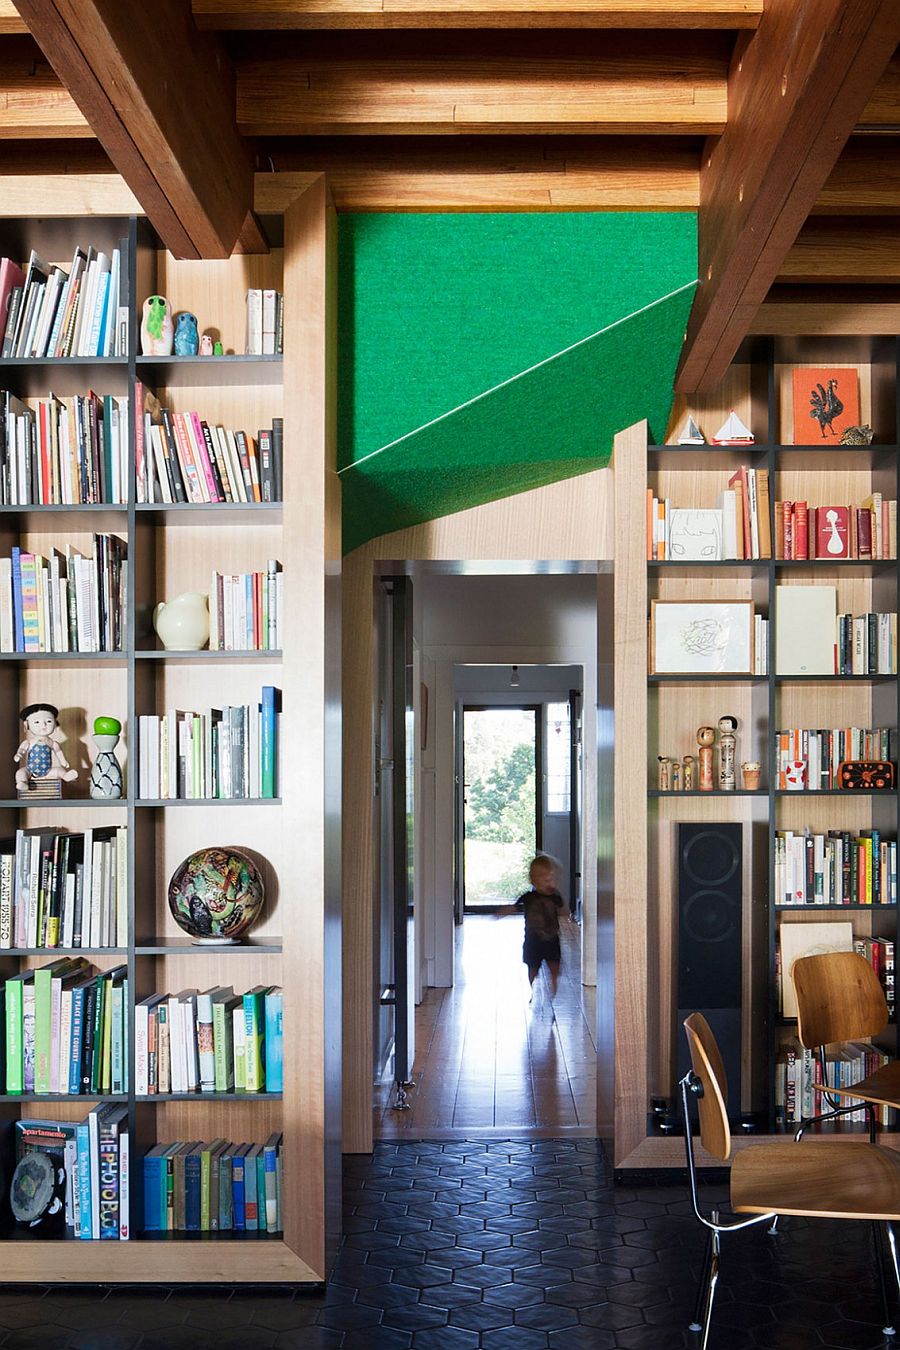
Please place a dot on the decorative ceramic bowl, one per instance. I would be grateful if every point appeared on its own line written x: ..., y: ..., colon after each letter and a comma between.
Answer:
x: 216, y: 894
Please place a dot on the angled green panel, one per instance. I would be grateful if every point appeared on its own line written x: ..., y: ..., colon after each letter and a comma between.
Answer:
x: 556, y: 419
x: 436, y: 309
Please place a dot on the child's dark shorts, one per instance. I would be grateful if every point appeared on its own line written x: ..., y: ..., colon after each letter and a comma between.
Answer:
x: 536, y: 949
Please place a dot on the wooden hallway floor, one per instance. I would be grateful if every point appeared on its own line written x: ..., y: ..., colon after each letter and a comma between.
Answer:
x: 488, y: 1061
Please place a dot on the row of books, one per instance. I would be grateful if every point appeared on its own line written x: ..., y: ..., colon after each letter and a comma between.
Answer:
x: 823, y: 750
x: 50, y: 312
x: 65, y: 603
x: 265, y: 322
x: 841, y: 867
x: 245, y: 610
x: 866, y: 644
x: 830, y: 533
x: 229, y: 752
x: 66, y: 1030
x: 64, y: 890
x: 214, y: 1041
x: 63, y: 452
x: 218, y: 1186
x: 738, y: 527
x: 96, y: 1155
x: 798, y: 1072
x: 180, y: 457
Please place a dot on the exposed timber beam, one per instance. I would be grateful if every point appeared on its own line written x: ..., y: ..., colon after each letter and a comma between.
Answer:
x: 865, y: 181
x: 844, y: 253
x: 795, y: 93
x: 159, y: 96
x: 450, y: 84
x: 299, y: 14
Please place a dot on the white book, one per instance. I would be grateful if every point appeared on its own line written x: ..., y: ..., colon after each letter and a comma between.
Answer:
x: 94, y: 1140
x: 69, y: 911
x: 141, y: 1048
x: 255, y: 741
x: 34, y: 869
x: 805, y: 630
x: 254, y: 321
x: 234, y: 460
x: 47, y: 312
x: 92, y: 914
x: 112, y: 305
x: 59, y: 1063
x: 177, y: 1071
x: 124, y: 1183
x: 154, y: 790
x: 6, y: 607
x: 189, y: 1025
x: 85, y: 303
x: 73, y: 1206
x: 727, y: 504
x: 269, y: 311
x: 120, y: 934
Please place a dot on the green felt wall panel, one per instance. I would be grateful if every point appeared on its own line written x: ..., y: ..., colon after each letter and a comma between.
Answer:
x: 484, y: 354
x: 557, y: 419
x: 435, y: 309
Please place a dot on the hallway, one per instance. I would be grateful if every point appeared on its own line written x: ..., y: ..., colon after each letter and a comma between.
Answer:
x: 487, y: 1062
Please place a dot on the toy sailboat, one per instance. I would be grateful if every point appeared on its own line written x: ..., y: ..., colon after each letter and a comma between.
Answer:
x: 691, y: 435
x: 733, y: 432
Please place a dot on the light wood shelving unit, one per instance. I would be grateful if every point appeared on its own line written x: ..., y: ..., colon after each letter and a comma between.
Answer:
x: 642, y: 904
x: 295, y: 839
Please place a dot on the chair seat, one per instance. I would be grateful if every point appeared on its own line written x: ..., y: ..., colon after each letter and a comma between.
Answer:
x: 881, y: 1087
x: 840, y: 1180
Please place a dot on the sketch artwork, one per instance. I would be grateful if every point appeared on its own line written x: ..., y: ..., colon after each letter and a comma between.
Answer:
x: 695, y: 535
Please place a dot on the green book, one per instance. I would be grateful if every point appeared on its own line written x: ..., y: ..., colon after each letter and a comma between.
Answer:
x: 254, y: 1038
x: 14, y: 1041
x: 237, y: 1029
x: 43, y: 1016
x: 223, y: 1040
x: 206, y: 1182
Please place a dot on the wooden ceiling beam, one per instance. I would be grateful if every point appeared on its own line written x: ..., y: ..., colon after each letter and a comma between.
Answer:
x: 538, y: 83
x: 159, y: 96
x: 305, y: 14
x: 836, y: 252
x: 865, y: 181
x: 796, y: 90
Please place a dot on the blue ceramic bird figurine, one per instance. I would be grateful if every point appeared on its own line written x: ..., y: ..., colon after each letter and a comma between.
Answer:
x: 187, y: 339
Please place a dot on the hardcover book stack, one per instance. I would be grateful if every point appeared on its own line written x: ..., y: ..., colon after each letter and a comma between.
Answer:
x: 212, y: 1187
x: 265, y: 322
x: 223, y: 753
x: 822, y: 752
x: 245, y: 610
x: 180, y: 457
x: 66, y: 1030
x: 214, y: 1041
x: 64, y: 603
x: 63, y: 452
x: 832, y: 533
x: 842, y: 867
x: 64, y: 890
x: 50, y: 312
x: 96, y: 1154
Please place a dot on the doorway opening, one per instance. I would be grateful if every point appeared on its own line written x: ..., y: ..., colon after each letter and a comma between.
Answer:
x: 496, y: 719
x: 501, y: 761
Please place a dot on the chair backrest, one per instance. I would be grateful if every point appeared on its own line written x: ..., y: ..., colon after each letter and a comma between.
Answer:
x: 706, y: 1061
x: 839, y: 998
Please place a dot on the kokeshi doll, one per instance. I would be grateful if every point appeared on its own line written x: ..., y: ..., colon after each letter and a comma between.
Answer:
x: 664, y: 777
x: 687, y: 773
x: 727, y: 755
x: 706, y: 739
x: 676, y: 776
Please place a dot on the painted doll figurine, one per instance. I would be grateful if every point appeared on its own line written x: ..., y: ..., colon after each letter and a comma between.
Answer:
x: 156, y: 327
x: 206, y: 345
x: 706, y: 739
x: 727, y: 756
x: 106, y: 771
x: 40, y: 757
x: 187, y: 340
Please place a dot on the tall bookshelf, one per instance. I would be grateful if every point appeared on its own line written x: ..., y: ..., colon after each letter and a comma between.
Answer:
x: 758, y: 387
x: 294, y: 838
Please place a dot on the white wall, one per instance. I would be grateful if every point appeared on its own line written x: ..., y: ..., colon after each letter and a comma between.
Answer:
x: 485, y: 620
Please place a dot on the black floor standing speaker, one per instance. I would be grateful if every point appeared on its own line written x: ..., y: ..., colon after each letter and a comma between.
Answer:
x: 709, y: 943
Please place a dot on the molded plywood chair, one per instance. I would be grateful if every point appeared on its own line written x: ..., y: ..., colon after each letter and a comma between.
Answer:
x: 839, y: 998
x: 839, y: 1179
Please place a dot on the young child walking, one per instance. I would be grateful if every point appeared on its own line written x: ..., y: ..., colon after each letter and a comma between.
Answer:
x: 542, y: 906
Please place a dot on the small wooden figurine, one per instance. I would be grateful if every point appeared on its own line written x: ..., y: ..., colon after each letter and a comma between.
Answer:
x: 40, y: 757
x: 676, y: 776
x: 706, y: 739
x: 727, y: 741
x: 664, y: 777
x: 687, y: 773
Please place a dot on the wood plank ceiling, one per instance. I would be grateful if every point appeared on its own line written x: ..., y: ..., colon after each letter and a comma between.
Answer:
x: 779, y: 121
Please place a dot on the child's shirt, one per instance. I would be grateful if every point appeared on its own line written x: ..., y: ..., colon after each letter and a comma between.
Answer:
x: 541, y: 914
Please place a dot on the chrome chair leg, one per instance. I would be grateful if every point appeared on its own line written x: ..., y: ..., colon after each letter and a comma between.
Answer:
x: 710, y: 1291
x: 888, y: 1327
x: 892, y: 1247
x: 773, y: 1226
x: 696, y: 1324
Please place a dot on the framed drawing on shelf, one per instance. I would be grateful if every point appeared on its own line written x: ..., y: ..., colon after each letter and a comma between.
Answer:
x: 701, y: 637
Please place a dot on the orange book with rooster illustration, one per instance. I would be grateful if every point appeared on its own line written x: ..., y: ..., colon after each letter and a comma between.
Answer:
x: 826, y: 403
